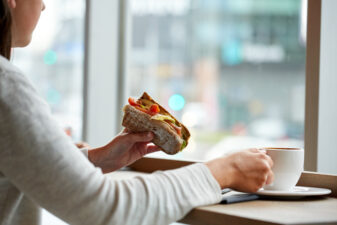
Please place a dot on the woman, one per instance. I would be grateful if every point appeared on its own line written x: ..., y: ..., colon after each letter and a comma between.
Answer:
x: 40, y: 166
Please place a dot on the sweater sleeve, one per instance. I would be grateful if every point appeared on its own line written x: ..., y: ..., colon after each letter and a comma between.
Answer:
x: 84, y: 151
x: 42, y: 162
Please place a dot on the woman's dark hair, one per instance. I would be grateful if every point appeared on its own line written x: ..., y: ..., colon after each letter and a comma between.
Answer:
x: 5, y: 29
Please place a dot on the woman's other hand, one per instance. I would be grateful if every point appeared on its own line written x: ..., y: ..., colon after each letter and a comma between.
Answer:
x: 123, y: 150
x: 245, y: 171
x: 82, y: 144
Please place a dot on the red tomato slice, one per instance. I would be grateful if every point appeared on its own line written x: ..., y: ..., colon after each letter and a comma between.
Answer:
x: 132, y: 102
x: 154, y: 109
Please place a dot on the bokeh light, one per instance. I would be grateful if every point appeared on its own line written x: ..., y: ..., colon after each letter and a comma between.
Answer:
x: 50, y: 57
x: 53, y: 96
x: 176, y: 102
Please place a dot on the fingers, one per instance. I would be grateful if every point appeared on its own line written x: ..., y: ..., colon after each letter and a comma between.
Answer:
x: 270, y: 178
x: 144, y: 148
x: 152, y: 148
x: 267, y: 164
x: 138, y: 137
x: 256, y: 150
x: 82, y: 145
x: 263, y: 155
x: 124, y: 131
x: 270, y: 161
x: 266, y: 175
x: 260, y: 180
x: 127, y: 140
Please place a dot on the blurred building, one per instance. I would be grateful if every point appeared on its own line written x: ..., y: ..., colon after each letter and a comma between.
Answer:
x: 241, y: 64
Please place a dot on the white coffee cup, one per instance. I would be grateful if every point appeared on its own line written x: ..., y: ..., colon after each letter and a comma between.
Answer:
x: 287, y: 168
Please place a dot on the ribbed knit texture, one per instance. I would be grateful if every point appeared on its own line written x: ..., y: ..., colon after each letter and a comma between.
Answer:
x: 41, y: 167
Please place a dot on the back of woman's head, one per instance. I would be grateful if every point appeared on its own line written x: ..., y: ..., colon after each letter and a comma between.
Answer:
x: 5, y: 29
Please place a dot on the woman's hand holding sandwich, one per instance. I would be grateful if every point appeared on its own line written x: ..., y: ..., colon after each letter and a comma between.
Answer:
x: 146, y: 121
x: 123, y: 150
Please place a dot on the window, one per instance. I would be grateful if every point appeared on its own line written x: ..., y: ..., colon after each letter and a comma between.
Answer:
x: 54, y: 61
x: 232, y: 71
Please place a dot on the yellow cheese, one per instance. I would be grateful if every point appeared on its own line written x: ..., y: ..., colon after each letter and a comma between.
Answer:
x: 162, y: 118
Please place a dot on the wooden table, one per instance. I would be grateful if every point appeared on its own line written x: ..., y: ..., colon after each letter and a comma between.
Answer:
x: 310, y: 210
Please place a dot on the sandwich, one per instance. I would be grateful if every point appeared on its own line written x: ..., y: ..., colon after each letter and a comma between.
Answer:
x: 144, y: 115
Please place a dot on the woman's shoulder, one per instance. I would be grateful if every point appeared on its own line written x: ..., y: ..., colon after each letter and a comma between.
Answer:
x: 12, y: 76
x: 6, y: 67
x: 14, y: 85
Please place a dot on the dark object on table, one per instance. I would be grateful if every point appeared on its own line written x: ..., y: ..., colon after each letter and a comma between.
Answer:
x: 238, y: 198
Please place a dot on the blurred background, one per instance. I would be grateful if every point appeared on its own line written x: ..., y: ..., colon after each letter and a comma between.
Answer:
x: 54, y: 61
x: 232, y: 71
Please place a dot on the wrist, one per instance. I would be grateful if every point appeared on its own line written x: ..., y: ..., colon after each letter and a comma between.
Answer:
x: 222, y: 171
x: 99, y: 157
x: 95, y: 156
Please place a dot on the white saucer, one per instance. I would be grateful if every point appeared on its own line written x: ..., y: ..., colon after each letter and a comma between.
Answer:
x: 297, y: 191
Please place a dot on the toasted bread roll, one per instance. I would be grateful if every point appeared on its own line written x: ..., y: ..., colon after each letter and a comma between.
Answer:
x: 164, y: 135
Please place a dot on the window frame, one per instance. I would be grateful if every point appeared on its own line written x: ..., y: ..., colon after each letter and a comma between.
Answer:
x: 101, y: 57
x: 312, y: 84
x: 327, y: 122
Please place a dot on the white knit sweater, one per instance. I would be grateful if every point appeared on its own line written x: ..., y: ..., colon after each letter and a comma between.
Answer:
x: 41, y: 167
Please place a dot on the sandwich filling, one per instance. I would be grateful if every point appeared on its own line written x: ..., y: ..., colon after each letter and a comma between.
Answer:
x: 148, y: 106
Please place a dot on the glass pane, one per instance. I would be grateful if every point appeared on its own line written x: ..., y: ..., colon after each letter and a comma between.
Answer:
x: 54, y: 61
x: 232, y: 71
